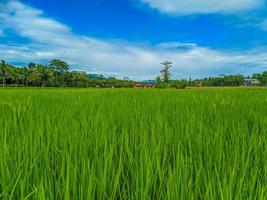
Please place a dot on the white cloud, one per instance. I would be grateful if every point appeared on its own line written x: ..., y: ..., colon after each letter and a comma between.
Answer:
x: 183, y: 7
x: 51, y: 39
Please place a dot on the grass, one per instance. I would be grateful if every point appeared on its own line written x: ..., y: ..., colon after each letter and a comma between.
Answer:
x: 133, y: 144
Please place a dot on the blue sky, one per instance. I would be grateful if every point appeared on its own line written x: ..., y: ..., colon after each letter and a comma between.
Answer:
x: 132, y: 21
x: 131, y: 37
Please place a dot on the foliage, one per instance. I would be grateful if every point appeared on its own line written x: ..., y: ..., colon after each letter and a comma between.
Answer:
x: 261, y: 77
x: 59, y: 66
x: 57, y: 74
x: 231, y: 80
x: 166, y: 75
x: 158, y: 80
x: 220, y: 81
x: 179, y: 84
x: 4, y: 71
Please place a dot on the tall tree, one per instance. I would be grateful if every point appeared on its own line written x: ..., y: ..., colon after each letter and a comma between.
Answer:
x: 3, y: 71
x: 59, y: 66
x: 60, y: 69
x: 166, y: 75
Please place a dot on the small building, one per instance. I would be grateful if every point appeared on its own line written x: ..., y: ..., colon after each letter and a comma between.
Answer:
x: 149, y: 83
x: 199, y: 84
x: 251, y: 82
x: 149, y: 86
x: 139, y: 85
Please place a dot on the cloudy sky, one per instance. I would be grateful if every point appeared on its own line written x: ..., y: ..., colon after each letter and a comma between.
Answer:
x: 132, y: 37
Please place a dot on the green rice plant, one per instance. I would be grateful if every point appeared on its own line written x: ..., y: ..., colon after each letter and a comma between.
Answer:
x: 133, y: 144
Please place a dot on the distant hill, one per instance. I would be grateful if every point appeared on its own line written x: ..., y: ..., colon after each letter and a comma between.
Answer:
x: 97, y: 76
x: 153, y: 82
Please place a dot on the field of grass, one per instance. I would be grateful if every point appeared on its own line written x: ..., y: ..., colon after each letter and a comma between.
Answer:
x: 133, y: 144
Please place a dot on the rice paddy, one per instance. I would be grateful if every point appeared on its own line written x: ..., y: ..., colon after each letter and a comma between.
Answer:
x: 133, y: 144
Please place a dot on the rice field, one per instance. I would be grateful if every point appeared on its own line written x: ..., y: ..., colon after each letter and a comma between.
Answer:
x: 133, y: 144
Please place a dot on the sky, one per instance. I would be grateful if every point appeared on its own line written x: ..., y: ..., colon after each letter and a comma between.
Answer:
x: 132, y: 37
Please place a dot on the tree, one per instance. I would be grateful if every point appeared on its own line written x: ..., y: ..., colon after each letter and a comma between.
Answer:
x: 261, y: 77
x: 3, y: 71
x: 44, y: 74
x: 190, y: 81
x: 14, y: 74
x: 31, y: 66
x: 166, y: 71
x: 112, y: 82
x: 59, y: 66
x: 264, y: 78
x: 76, y: 79
x: 25, y: 72
x: 158, y: 79
x: 179, y: 84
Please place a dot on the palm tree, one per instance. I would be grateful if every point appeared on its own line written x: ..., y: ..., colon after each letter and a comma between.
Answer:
x: 158, y: 79
x: 30, y: 75
x: 25, y: 72
x: 44, y: 74
x: 14, y: 74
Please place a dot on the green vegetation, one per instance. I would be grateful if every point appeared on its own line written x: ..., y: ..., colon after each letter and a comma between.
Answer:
x: 56, y: 74
x: 166, y: 75
x: 133, y: 144
x: 59, y: 74
x: 261, y: 77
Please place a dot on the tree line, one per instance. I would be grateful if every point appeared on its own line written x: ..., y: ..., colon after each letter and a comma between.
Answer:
x: 221, y: 81
x: 58, y: 74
